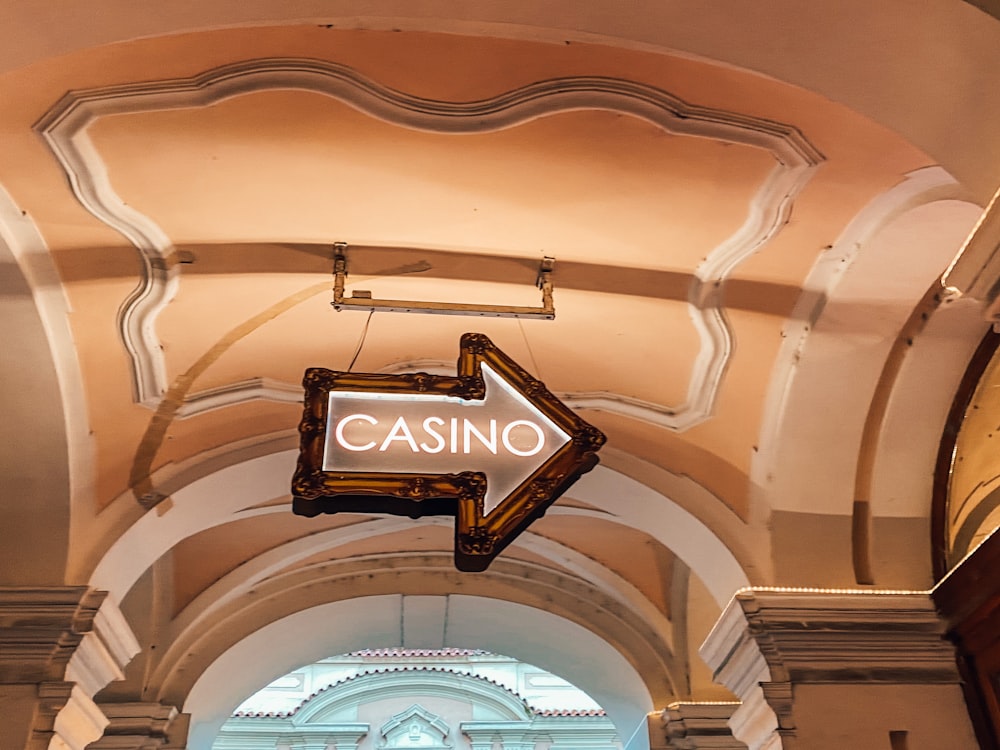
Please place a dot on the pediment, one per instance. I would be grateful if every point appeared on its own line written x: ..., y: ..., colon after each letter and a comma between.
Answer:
x: 416, y: 727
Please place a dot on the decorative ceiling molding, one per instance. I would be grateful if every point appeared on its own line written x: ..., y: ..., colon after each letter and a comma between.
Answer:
x: 65, y: 128
x: 241, y: 392
x: 276, y: 391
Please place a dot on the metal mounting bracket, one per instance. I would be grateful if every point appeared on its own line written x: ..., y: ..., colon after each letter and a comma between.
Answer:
x: 360, y: 300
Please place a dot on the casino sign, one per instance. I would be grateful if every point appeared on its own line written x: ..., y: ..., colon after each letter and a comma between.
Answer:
x: 491, y: 446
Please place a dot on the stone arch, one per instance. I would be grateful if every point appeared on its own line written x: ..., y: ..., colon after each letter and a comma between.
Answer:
x: 42, y: 390
x: 426, y: 588
x: 908, y: 236
x: 213, y: 499
x: 526, y: 633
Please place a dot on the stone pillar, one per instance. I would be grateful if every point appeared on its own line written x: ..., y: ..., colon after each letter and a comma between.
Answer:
x: 696, y: 726
x: 58, y: 646
x: 825, y: 670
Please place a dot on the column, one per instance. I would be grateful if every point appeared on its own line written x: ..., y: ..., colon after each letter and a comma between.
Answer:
x: 825, y: 670
x: 59, y: 646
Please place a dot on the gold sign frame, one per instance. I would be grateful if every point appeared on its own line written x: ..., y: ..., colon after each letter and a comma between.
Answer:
x: 479, y: 538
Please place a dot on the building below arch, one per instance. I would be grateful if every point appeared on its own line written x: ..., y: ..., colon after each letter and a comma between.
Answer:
x: 437, y: 699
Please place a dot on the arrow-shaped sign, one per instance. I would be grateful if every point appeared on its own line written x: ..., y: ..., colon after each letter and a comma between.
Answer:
x: 491, y: 446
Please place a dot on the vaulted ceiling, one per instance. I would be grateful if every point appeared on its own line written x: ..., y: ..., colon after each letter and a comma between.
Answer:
x: 749, y: 208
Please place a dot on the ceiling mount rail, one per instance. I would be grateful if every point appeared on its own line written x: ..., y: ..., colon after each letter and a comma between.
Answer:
x: 363, y: 300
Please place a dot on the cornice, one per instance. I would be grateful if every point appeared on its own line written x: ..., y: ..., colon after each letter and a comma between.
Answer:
x: 41, y: 629
x: 403, y: 680
x: 768, y: 641
x: 695, y: 725
x: 65, y: 129
x: 896, y: 638
x: 135, y: 726
x: 71, y: 641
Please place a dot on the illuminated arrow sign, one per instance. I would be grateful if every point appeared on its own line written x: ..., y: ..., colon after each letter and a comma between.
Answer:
x: 491, y: 446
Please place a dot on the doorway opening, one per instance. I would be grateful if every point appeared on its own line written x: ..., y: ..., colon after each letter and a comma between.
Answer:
x: 432, y: 699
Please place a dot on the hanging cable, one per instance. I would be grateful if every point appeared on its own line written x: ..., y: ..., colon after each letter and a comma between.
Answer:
x: 361, y: 342
x: 531, y: 354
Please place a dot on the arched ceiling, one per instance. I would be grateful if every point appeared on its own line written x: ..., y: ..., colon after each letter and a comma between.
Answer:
x: 747, y: 213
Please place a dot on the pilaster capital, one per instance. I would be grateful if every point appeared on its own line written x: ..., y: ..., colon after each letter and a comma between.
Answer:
x: 70, y: 641
x: 65, y: 717
x: 104, y: 651
x: 699, y: 726
x: 768, y: 640
x: 41, y: 627
x: 847, y: 636
x: 62, y: 632
x: 135, y: 726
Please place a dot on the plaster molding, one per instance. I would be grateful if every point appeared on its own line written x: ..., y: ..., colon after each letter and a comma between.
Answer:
x: 241, y: 392
x: 276, y: 391
x: 65, y: 130
x: 755, y: 723
x: 104, y: 651
x: 737, y: 662
x: 93, y: 666
x: 78, y: 723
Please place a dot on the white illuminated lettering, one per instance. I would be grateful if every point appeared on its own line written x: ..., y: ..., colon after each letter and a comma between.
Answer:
x: 354, y: 418
x: 400, y: 431
x: 469, y: 430
x: 437, y: 436
x: 505, y: 438
x: 457, y: 435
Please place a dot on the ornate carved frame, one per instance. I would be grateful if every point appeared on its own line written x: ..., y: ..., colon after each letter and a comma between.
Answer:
x: 479, y: 538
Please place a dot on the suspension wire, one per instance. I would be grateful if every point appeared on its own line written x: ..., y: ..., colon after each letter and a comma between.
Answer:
x: 531, y: 354
x: 361, y: 341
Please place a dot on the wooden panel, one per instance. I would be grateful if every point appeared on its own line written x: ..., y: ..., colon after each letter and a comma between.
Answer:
x: 969, y: 599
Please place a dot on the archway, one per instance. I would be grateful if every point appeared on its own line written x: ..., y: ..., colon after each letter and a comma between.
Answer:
x: 528, y: 634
